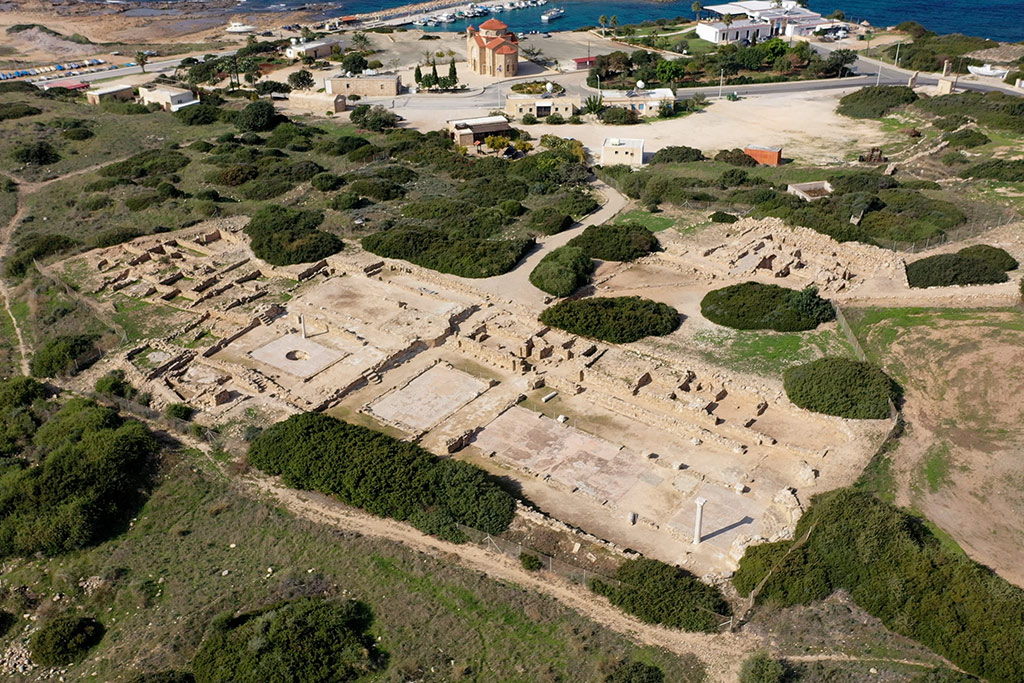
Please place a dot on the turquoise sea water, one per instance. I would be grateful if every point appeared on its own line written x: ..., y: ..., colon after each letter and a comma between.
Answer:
x: 995, y: 19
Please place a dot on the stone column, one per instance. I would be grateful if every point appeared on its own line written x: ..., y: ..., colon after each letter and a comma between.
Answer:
x: 700, y: 518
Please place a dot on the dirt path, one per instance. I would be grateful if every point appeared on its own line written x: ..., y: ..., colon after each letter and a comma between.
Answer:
x: 722, y: 654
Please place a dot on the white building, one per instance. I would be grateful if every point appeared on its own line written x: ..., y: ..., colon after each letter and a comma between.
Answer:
x: 758, y: 20
x: 317, y: 49
x: 629, y: 151
x: 643, y: 102
x: 169, y: 98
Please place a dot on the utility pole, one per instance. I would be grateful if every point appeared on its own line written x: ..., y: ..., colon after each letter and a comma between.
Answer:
x: 898, y: 53
x: 721, y: 82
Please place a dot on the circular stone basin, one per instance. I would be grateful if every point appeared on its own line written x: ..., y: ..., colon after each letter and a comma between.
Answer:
x: 296, y: 354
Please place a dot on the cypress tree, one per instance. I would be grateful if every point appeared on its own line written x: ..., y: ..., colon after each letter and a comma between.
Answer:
x: 453, y: 75
x: 418, y: 75
x: 433, y: 70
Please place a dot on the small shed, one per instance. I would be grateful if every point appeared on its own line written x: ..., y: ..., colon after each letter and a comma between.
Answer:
x: 584, y: 63
x: 769, y: 156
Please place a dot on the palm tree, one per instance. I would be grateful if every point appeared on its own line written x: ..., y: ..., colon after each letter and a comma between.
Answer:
x: 697, y: 9
x: 360, y: 41
x: 141, y: 58
x: 613, y: 22
x: 602, y: 21
x: 727, y: 20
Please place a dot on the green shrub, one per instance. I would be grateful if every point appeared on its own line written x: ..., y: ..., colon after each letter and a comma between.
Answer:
x: 548, y: 220
x: 63, y: 355
x: 945, y: 270
x: 562, y: 271
x: 113, y: 384
x: 377, y: 188
x: 345, y: 201
x: 950, y: 123
x: 736, y: 157
x: 179, y: 411
x: 618, y: 116
x: 284, y: 236
x: 141, y: 202
x: 616, y: 242
x: 199, y: 115
x: 658, y: 593
x: 756, y: 306
x: 77, y: 133
x: 861, y: 181
x: 841, y: 387
x: 263, y: 188
x: 312, y: 640
x: 380, y: 474
x: 460, y: 255
x: 875, y: 102
x: 966, y: 139
x: 95, y: 202
x: 64, y: 640
x: 164, y: 677
x: 113, y: 236
x: 326, y: 182
x: 153, y: 162
x: 722, y: 217
x: 635, y: 672
x: 619, y: 320
x: 954, y: 158
x: 555, y: 119
x: 761, y: 667
x: 676, y: 155
x: 997, y: 169
x: 37, y: 248
x: 896, y: 570
x: 37, y: 153
x: 994, y: 255
x: 996, y: 110
x: 340, y: 146
x: 529, y: 119
x: 257, y: 117
x: 530, y: 563
x: 17, y: 110
x: 233, y: 176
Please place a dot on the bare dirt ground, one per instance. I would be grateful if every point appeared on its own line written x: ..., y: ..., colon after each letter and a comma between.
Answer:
x: 959, y: 463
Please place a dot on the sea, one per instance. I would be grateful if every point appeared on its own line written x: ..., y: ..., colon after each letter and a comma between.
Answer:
x: 995, y: 19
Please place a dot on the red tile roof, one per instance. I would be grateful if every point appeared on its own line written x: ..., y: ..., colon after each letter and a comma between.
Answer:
x: 506, y: 50
x: 493, y: 25
x: 494, y: 42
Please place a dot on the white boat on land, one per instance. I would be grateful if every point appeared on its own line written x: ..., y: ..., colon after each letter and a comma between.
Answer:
x: 552, y: 14
x: 988, y: 70
x: 239, y: 27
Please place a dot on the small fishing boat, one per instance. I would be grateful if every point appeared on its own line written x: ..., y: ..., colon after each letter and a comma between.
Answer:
x: 988, y: 70
x: 552, y: 14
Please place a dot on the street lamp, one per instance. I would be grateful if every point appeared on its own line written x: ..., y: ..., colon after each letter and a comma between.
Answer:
x: 721, y: 82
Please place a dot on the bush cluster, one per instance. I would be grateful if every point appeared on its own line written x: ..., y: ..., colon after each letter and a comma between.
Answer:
x: 658, y: 593
x: 722, y: 217
x: 966, y: 138
x: 64, y: 640
x: 17, y: 110
x: 312, y: 640
x: 756, y: 306
x: 76, y: 473
x: 736, y: 157
x: 563, y: 271
x: 841, y: 387
x: 382, y: 475
x: 38, y: 247
x: 619, y: 320
x: 283, y: 236
x: 994, y: 255
x: 875, y: 101
x: 676, y: 154
x: 548, y: 220
x: 997, y: 169
x: 761, y: 667
x: 40, y: 153
x: 461, y: 255
x: 997, y: 110
x: 616, y: 242
x: 946, y: 270
x: 896, y: 570
x: 152, y: 162
x: 635, y: 672
x: 62, y: 355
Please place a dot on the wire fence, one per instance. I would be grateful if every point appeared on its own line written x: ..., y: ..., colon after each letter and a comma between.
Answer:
x: 980, y: 219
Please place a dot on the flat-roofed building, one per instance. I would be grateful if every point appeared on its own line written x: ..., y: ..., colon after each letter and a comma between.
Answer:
x: 167, y: 97
x: 629, y: 151
x: 316, y: 102
x: 470, y: 132
x: 316, y: 49
x: 540, y: 106
x: 758, y: 20
x: 110, y: 92
x: 644, y: 102
x: 383, y: 85
x: 769, y: 156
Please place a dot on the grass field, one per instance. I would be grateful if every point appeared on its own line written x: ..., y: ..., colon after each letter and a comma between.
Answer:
x: 769, y: 353
x: 199, y: 549
x: 652, y: 221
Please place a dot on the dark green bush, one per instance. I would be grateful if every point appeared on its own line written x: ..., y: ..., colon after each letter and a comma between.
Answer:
x: 141, y: 202
x: 77, y: 133
x: 326, y: 182
x: 994, y: 255
x: 945, y: 270
x: 618, y: 116
x: 997, y: 169
x: 114, y: 384
x: 722, y: 217
x: 112, y: 236
x: 37, y: 153
x: 153, y: 162
x: 734, y: 177
x: 861, y: 181
x: 841, y: 387
x: 201, y: 146
x: 95, y: 202
x: 529, y: 119
x: 449, y: 253
x: 761, y: 667
x: 966, y: 138
x: 198, y: 115
x: 635, y: 672
x: 736, y: 157
x: 950, y: 123
x: 17, y: 110
x: 997, y: 110
x: 377, y: 188
x: 380, y: 474
x: 340, y: 146
x: 658, y: 593
x: 562, y: 271
x: 257, y: 117
x: 164, y: 677
x: 676, y: 154
x: 548, y: 220
x: 345, y: 201
x: 179, y: 411
x: 895, y: 569
x: 616, y: 242
x: 233, y: 176
x: 530, y: 563
x: 263, y: 188
x: 62, y: 355
x: 619, y: 320
x: 37, y: 248
x: 311, y: 640
x: 283, y: 236
x: 756, y: 306
x: 64, y: 640
x: 875, y: 102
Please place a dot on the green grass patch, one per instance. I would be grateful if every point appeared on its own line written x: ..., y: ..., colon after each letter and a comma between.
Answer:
x: 652, y: 221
